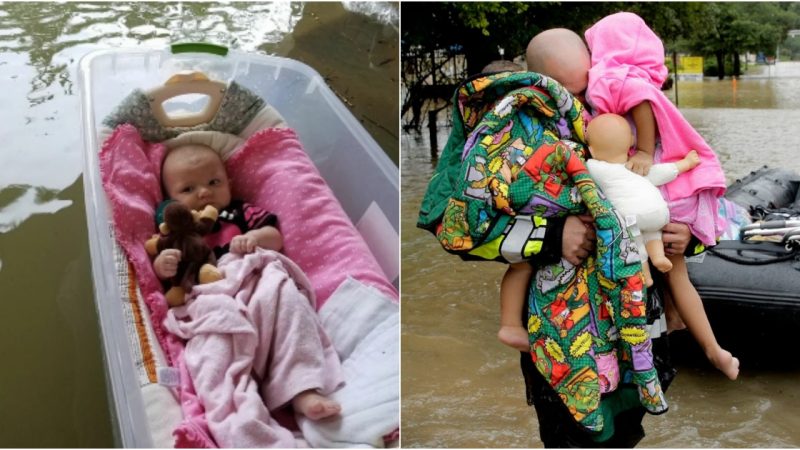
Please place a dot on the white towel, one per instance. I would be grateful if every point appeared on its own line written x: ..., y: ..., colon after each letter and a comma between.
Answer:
x: 364, y: 326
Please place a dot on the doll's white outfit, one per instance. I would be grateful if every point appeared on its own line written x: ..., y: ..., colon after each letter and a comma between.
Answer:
x: 636, y: 197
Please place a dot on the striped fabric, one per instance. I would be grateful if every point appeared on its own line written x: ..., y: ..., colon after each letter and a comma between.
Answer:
x: 140, y: 335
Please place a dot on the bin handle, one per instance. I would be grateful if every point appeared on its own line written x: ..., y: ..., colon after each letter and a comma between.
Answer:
x: 199, y: 47
x: 182, y: 84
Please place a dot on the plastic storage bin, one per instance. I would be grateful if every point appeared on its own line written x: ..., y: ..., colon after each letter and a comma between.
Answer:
x: 325, y: 127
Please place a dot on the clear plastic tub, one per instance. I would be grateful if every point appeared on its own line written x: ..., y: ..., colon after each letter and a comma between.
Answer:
x: 325, y: 127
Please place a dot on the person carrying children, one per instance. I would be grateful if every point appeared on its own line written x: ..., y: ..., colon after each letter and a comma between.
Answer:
x: 512, y: 165
x: 625, y: 78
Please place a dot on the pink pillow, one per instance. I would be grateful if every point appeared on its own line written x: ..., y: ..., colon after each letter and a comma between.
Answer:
x: 273, y: 171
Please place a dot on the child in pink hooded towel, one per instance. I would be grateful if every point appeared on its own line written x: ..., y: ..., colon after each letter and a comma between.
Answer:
x: 625, y: 78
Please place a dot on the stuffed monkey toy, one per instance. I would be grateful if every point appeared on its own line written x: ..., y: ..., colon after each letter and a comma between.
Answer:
x: 183, y: 229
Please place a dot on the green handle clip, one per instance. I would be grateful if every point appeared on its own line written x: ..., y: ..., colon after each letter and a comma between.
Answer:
x: 199, y: 47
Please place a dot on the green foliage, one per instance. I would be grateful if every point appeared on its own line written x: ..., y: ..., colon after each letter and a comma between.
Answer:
x: 703, y: 28
x: 477, y: 14
x: 790, y: 49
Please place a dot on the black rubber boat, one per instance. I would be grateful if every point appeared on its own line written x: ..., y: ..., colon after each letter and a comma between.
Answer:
x: 751, y: 287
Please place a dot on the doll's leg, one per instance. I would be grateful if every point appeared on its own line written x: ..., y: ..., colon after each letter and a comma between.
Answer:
x: 648, y: 277
x: 689, y: 305
x: 655, y: 248
x: 513, y: 291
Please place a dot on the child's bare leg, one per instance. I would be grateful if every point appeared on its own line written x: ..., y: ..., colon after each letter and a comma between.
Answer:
x: 674, y: 321
x: 689, y: 305
x: 315, y: 406
x: 648, y: 277
x: 655, y: 249
x: 513, y: 292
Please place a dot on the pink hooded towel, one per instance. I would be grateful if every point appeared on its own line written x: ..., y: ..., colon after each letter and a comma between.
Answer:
x: 627, y: 69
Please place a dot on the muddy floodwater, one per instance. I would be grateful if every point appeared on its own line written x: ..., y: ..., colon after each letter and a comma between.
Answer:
x: 461, y: 388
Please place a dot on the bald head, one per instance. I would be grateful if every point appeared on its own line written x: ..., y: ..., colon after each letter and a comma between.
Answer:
x: 609, y: 137
x: 560, y: 54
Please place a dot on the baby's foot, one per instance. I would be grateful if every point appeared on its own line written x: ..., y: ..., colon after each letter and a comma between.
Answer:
x: 663, y: 263
x: 315, y: 406
x: 725, y: 362
x: 514, y: 337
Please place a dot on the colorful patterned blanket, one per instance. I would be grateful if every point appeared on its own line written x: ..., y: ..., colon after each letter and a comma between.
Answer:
x: 516, y: 157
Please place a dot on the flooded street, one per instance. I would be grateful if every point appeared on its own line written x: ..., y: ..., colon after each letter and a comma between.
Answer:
x: 53, y: 372
x: 461, y: 388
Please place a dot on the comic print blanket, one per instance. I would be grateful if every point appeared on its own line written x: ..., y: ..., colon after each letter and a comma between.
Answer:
x: 514, y: 158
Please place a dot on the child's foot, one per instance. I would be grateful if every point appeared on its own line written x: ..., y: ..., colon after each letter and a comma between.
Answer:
x: 514, y: 337
x: 315, y: 406
x: 725, y: 362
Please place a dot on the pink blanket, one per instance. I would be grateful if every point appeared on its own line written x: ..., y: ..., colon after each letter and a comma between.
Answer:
x: 627, y: 69
x: 271, y: 170
x: 254, y: 334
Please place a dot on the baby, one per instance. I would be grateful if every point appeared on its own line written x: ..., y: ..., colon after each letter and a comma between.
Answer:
x: 195, y: 176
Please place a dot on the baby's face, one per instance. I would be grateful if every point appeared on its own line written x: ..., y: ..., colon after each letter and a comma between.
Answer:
x: 196, y: 177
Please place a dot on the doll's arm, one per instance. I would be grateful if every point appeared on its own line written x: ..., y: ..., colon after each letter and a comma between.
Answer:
x: 664, y: 173
x: 645, y: 123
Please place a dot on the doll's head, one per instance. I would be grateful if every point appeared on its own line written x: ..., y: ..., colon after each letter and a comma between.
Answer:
x: 609, y: 137
x: 560, y: 54
x: 194, y: 175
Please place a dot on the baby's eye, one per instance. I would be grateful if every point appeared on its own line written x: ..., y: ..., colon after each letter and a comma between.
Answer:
x: 187, y: 190
x: 214, y: 182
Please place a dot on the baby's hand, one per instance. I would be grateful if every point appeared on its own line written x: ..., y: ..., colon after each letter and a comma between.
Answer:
x: 166, y: 263
x: 243, y: 244
x: 640, y: 163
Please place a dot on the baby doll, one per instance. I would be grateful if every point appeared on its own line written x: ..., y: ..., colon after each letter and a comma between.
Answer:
x: 194, y: 175
x: 610, y: 138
